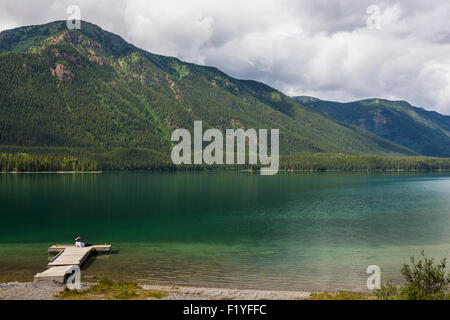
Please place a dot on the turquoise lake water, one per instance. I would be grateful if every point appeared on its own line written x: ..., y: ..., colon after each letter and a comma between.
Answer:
x: 227, y: 229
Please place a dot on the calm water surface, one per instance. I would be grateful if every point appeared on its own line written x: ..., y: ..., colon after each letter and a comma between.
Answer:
x: 227, y: 229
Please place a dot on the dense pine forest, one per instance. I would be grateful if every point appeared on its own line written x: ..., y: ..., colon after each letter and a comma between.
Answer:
x: 22, y: 162
x: 147, y: 160
x: 90, y: 89
x: 345, y: 162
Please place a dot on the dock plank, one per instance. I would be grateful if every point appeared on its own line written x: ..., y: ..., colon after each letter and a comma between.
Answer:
x: 71, y: 256
x: 97, y: 248
x: 53, y: 274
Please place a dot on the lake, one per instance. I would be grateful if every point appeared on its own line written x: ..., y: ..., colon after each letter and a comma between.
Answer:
x: 293, y: 231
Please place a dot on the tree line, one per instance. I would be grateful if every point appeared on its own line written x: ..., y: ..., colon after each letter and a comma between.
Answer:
x: 351, y: 162
x: 23, y: 162
x: 85, y: 159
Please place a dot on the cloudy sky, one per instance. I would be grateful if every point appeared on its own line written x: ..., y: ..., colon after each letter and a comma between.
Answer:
x: 336, y: 49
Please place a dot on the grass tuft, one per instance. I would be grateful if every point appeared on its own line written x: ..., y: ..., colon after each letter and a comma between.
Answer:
x: 107, y: 289
x: 341, y: 295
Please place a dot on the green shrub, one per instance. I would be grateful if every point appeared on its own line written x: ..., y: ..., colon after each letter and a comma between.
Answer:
x: 425, y: 280
x: 387, y: 291
x: 426, y: 276
x: 411, y: 292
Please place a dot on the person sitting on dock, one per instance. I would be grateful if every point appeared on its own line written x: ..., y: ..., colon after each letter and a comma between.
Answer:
x: 80, y: 244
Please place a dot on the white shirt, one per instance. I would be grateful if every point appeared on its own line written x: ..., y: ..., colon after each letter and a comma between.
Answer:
x: 79, y: 244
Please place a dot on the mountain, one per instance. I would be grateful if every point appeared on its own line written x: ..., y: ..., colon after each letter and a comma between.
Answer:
x: 90, y: 92
x: 426, y: 132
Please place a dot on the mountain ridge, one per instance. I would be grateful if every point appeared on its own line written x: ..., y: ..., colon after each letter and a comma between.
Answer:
x: 91, y: 89
x: 426, y: 132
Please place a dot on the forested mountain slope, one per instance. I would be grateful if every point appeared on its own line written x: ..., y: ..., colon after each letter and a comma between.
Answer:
x: 90, y: 92
x: 426, y: 132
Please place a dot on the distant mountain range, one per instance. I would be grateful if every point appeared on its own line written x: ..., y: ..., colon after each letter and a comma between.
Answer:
x: 425, y: 132
x: 90, y: 92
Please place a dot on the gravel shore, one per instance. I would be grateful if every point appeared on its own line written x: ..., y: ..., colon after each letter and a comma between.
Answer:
x: 194, y: 293
x: 29, y: 290
x: 46, y: 291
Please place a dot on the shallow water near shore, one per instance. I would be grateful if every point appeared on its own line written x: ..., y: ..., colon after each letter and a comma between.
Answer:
x: 297, y: 231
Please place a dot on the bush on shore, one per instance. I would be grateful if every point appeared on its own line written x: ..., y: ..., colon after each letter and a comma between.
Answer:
x: 424, y: 280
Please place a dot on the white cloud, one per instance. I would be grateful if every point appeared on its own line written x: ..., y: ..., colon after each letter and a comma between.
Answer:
x: 162, y: 27
x: 321, y: 48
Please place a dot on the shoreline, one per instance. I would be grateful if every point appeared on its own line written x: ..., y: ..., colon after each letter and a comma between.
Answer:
x: 46, y: 290
x: 202, y: 293
x: 59, y: 172
x: 237, y: 170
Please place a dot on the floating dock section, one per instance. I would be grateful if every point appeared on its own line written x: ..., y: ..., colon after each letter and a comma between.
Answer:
x: 67, y: 257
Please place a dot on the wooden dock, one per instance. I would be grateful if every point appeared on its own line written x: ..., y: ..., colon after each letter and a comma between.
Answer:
x: 66, y: 257
x: 97, y: 248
